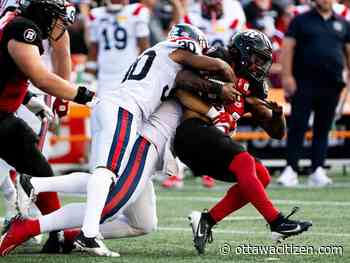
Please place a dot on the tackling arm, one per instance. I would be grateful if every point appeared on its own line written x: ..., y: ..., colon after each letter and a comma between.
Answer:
x: 205, y: 63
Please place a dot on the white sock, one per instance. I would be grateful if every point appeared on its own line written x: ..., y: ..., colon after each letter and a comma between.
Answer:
x: 119, y: 228
x: 97, y: 192
x: 70, y: 183
x: 8, y: 188
x: 68, y: 216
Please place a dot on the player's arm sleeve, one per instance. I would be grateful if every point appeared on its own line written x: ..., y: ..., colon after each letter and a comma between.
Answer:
x: 25, y: 32
x: 142, y: 23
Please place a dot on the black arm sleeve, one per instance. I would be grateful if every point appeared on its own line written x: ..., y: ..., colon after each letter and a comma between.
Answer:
x: 24, y: 30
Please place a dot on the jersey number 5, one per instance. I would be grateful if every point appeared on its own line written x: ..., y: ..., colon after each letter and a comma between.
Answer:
x: 140, y: 74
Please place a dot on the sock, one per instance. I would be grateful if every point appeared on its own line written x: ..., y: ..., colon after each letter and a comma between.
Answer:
x: 8, y: 188
x: 97, y: 192
x: 69, y: 216
x: 71, y: 233
x: 249, y: 188
x: 234, y: 200
x: 47, y: 202
x: 71, y: 183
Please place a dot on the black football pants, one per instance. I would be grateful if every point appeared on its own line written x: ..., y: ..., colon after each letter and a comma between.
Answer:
x: 19, y: 147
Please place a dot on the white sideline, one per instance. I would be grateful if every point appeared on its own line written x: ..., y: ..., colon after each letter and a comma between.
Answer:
x: 239, y: 232
x: 281, y: 202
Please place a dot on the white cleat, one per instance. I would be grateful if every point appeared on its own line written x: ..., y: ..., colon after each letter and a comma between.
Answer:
x: 194, y: 217
x: 288, y: 177
x: 319, y: 178
x: 94, y: 246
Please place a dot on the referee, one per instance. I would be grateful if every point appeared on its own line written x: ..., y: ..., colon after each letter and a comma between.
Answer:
x: 316, y: 47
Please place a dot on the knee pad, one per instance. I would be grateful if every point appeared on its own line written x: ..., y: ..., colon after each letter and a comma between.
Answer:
x: 262, y: 173
x: 146, y: 228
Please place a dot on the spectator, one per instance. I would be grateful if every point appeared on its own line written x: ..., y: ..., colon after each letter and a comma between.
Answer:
x: 313, y: 55
x: 218, y: 19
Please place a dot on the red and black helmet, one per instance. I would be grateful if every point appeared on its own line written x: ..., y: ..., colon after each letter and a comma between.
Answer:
x: 251, y: 51
x: 48, y: 14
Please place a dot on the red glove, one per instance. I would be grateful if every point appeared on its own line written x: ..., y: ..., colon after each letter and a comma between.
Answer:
x: 60, y: 107
x: 225, y: 122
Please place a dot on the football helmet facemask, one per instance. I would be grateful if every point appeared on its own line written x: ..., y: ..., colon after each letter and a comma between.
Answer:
x: 251, y: 51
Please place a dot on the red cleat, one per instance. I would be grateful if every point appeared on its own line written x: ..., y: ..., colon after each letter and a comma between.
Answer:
x: 173, y: 182
x: 20, y: 231
x: 207, y: 181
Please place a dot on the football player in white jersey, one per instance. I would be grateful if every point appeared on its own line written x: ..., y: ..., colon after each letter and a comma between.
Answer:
x: 218, y: 19
x: 116, y: 121
x: 118, y: 33
x: 133, y: 216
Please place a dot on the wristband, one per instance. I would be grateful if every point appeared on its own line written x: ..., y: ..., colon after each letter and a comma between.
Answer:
x: 84, y: 95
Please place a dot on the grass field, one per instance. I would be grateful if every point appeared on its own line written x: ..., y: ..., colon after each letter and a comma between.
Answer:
x: 328, y: 208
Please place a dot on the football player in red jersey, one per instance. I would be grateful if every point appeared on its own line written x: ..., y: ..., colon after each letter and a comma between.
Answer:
x: 250, y: 53
x: 21, y: 35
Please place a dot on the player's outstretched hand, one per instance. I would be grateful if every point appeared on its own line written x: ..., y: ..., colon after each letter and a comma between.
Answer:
x: 84, y: 96
x: 277, y: 110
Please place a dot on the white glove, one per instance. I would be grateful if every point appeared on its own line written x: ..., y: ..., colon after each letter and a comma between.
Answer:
x: 40, y: 109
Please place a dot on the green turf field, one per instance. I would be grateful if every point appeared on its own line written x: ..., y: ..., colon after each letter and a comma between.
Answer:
x: 328, y: 208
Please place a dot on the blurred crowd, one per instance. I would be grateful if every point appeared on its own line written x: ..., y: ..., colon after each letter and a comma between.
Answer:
x: 270, y: 16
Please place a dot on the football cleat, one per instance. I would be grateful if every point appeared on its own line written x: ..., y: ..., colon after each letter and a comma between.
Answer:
x: 93, y: 245
x: 283, y: 227
x: 201, y: 230
x: 19, y: 231
x: 25, y: 193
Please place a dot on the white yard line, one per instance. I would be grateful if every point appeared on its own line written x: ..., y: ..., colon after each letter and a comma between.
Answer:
x: 252, y: 233
x: 281, y: 202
